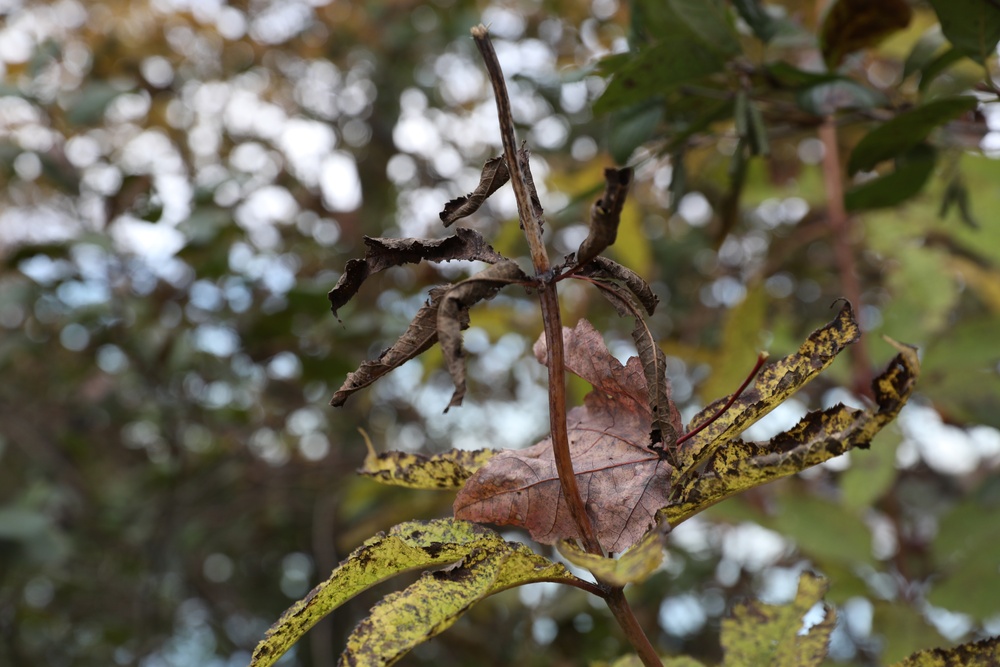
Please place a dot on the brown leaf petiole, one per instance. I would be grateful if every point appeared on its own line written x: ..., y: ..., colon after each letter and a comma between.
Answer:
x: 761, y: 358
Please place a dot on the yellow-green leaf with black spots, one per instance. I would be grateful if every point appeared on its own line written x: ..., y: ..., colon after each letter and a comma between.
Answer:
x: 635, y: 565
x: 763, y: 634
x: 447, y: 470
x: 407, y: 546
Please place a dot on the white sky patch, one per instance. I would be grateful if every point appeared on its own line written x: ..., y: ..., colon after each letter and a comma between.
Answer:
x: 306, y: 143
x: 946, y: 448
x: 783, y: 417
x: 152, y: 241
x: 340, y: 182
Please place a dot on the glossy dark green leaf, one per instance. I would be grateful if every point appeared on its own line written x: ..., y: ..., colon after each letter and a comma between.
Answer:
x: 911, y: 173
x: 762, y: 23
x: 657, y: 69
x: 972, y: 26
x: 937, y: 66
x: 906, y: 131
x: 679, y: 41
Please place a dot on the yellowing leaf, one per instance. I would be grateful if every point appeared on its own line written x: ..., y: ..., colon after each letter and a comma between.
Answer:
x: 404, y: 619
x: 819, y: 436
x: 486, y: 564
x: 984, y: 653
x: 447, y: 470
x: 775, y: 383
x: 635, y: 565
x: 410, y: 545
x: 763, y: 634
x: 410, y: 617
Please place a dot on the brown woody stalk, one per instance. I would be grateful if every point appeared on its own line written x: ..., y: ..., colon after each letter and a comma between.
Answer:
x: 531, y: 222
x: 840, y: 226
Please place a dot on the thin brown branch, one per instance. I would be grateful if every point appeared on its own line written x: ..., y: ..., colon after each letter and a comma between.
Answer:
x: 761, y: 358
x: 840, y: 226
x: 532, y: 223
x: 531, y: 220
x: 626, y: 619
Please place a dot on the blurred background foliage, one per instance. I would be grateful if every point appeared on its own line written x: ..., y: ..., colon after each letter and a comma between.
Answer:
x: 184, y: 181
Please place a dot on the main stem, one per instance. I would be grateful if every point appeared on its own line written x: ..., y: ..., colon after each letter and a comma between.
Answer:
x: 531, y: 221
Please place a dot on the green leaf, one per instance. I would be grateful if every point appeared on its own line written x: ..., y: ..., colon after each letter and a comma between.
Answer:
x: 791, y: 76
x: 635, y: 565
x: 756, y: 16
x: 985, y: 652
x: 903, y: 630
x: 680, y: 41
x: 906, y: 131
x: 957, y: 195
x: 972, y: 26
x: 763, y: 634
x: 928, y: 47
x: 939, y: 65
x: 631, y: 127
x: 709, y: 20
x: 645, y: 76
x: 912, y: 171
x: 823, y: 530
x: 852, y: 25
x: 872, y: 472
x: 407, y: 546
x: 824, y: 99
x: 962, y: 379
x: 965, y: 549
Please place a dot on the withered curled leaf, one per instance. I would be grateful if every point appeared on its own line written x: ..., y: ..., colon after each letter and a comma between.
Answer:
x: 523, y: 154
x: 419, y: 336
x: 605, y: 215
x: 665, y: 427
x: 453, y: 315
x: 383, y: 253
x: 606, y: 269
x: 495, y: 174
x: 622, y: 483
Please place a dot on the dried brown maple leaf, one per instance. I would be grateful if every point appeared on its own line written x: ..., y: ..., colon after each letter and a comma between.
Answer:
x: 623, y: 484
